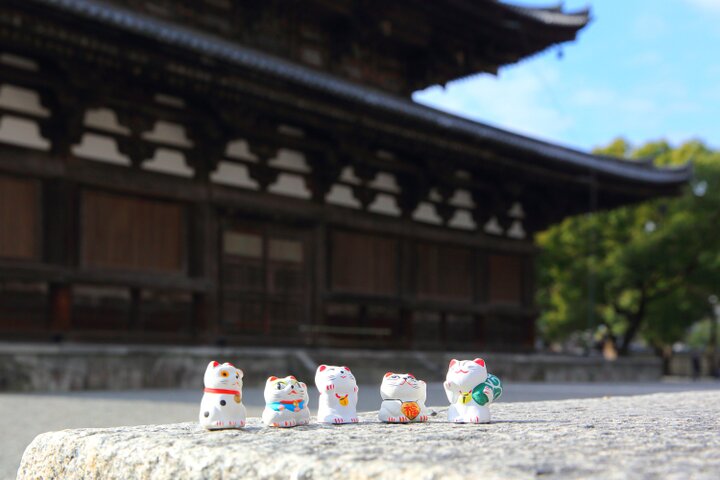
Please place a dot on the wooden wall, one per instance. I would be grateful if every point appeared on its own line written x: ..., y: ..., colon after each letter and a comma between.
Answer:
x: 19, y: 218
x: 132, y: 233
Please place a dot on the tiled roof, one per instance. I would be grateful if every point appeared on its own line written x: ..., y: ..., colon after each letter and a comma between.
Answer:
x: 233, y: 53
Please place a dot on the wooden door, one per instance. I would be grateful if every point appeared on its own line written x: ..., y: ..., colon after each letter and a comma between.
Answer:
x: 265, y: 280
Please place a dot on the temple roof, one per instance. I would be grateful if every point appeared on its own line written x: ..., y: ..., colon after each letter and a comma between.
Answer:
x: 398, y: 47
x: 525, y: 149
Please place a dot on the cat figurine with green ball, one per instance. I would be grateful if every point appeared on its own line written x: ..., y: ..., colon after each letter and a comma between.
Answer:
x: 470, y: 389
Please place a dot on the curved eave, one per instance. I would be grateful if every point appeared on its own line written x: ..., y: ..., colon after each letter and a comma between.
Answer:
x: 554, y: 17
x: 207, y: 45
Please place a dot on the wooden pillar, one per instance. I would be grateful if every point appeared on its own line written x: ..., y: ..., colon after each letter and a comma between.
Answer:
x: 60, y: 314
x: 321, y: 257
x: 204, y: 259
x: 60, y: 241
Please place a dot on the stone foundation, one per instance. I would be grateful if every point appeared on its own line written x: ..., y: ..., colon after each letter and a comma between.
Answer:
x: 65, y: 367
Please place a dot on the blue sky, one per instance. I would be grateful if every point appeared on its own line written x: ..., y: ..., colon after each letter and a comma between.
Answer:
x: 643, y: 69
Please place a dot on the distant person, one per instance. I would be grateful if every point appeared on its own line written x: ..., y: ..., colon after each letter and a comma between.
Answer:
x: 695, y: 363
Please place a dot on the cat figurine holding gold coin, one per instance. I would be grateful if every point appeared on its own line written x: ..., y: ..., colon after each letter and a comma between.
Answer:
x: 403, y: 399
x: 470, y: 389
x: 221, y: 405
x: 286, y: 403
x: 338, y: 395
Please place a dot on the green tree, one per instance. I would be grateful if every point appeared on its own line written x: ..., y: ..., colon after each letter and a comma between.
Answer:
x: 642, y: 270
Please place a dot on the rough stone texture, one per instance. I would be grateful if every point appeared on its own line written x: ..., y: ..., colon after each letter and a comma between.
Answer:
x: 67, y: 367
x: 654, y: 436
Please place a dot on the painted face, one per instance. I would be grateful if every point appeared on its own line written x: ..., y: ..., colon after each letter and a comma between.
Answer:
x: 341, y: 377
x: 467, y: 374
x: 223, y: 376
x: 288, y: 388
x: 402, y: 386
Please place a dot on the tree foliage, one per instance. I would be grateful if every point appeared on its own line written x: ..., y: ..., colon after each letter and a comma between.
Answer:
x: 641, y: 270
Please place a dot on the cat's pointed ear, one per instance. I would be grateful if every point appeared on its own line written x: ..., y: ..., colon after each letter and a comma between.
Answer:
x: 346, y: 368
x: 230, y: 364
x: 411, y: 375
x: 321, y: 368
x: 453, y: 362
x: 388, y: 374
x: 213, y: 364
x: 272, y: 379
x: 480, y: 362
x: 292, y: 378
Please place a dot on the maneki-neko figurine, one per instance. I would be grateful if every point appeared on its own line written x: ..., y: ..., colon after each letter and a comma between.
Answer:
x: 286, y: 403
x: 403, y: 399
x: 221, y: 405
x: 338, y: 395
x: 470, y: 389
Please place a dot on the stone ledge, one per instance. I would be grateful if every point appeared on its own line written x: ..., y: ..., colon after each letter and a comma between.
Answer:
x: 653, y: 436
x: 65, y: 367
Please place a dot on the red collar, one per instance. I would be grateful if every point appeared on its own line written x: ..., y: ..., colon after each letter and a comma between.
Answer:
x: 221, y: 390
x: 289, y: 402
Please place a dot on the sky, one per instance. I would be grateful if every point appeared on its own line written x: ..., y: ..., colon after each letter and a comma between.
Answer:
x: 643, y: 70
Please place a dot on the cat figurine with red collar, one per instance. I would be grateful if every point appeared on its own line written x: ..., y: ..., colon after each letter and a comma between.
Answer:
x: 286, y: 403
x: 470, y: 389
x: 338, y: 395
x: 221, y: 405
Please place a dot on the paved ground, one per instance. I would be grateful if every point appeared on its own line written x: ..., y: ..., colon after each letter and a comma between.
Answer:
x: 667, y: 435
x: 27, y: 415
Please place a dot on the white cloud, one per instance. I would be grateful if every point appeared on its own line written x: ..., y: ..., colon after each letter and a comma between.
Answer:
x: 705, y: 5
x: 519, y: 99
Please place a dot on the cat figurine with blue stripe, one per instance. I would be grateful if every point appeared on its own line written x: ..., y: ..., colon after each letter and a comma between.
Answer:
x: 286, y: 403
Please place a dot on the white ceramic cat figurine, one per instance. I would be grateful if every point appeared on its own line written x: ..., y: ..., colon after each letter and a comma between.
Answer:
x: 338, y: 395
x: 221, y: 405
x: 403, y: 399
x: 470, y: 390
x: 286, y: 403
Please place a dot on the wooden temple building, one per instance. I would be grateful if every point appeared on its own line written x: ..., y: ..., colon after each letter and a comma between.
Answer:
x: 256, y: 173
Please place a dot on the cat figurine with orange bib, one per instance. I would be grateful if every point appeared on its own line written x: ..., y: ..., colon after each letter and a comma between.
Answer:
x: 221, y: 405
x: 338, y: 395
x: 470, y: 389
x: 403, y: 399
x: 286, y: 403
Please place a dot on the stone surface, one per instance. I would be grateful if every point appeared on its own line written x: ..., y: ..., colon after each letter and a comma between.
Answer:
x: 655, y: 436
x: 36, y: 367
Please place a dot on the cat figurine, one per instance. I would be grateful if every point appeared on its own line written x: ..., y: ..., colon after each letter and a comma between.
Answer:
x: 403, y: 399
x: 221, y: 405
x: 470, y: 389
x: 286, y: 403
x: 338, y: 395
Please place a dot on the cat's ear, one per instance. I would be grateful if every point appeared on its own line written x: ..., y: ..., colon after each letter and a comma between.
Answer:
x: 213, y: 364
x: 388, y: 374
x: 230, y: 364
x: 346, y: 368
x: 411, y: 375
x: 272, y: 379
x: 480, y: 362
x: 453, y: 362
x: 321, y: 368
x: 292, y: 378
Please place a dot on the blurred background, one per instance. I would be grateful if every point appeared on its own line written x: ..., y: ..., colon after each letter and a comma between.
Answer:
x: 281, y: 184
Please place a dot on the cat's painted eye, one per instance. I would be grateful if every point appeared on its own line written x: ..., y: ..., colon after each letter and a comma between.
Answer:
x: 224, y: 374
